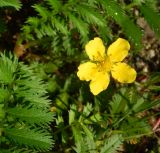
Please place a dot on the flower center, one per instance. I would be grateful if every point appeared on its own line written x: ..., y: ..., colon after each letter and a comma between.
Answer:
x: 105, y: 65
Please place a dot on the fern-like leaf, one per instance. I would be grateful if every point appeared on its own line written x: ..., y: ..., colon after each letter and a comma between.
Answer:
x: 152, y: 17
x: 43, y: 12
x: 79, y: 24
x: 7, y: 69
x: 40, y: 140
x: 56, y: 5
x: 90, y: 15
x: 4, y: 94
x: 111, y: 144
x: 79, y: 140
x: 134, y: 127
x: 89, y: 139
x: 115, y: 11
x: 31, y: 115
x: 60, y: 25
x: 11, y: 3
x: 17, y: 150
x: 31, y: 88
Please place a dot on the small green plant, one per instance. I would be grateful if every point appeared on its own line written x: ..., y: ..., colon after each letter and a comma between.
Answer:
x: 59, y: 23
x: 24, y: 109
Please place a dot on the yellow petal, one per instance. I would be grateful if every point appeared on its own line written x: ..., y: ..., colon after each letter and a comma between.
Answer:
x: 86, y: 71
x: 123, y: 73
x: 118, y: 50
x: 99, y: 82
x: 95, y: 49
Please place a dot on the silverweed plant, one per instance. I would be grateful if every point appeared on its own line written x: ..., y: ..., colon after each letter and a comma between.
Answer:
x: 46, y: 105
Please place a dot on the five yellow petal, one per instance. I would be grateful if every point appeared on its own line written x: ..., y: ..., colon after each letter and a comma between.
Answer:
x: 118, y: 50
x: 123, y: 73
x: 86, y: 71
x: 99, y: 82
x: 101, y: 64
x: 95, y: 49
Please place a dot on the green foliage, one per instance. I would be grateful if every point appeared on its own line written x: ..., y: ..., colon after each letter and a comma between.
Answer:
x: 17, y: 150
x: 11, y: 3
x: 62, y: 22
x: 153, y: 82
x: 126, y: 123
x: 152, y: 17
x: 24, y: 111
x: 112, y: 144
x: 125, y: 107
x: 33, y: 138
x: 54, y: 33
x: 31, y: 115
x: 83, y: 136
x: 115, y: 11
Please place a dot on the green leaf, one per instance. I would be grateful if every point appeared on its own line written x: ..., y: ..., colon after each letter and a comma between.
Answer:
x: 154, y: 87
x: 79, y: 140
x: 55, y: 5
x: 42, y: 11
x: 111, y: 144
x: 38, y: 139
x: 89, y: 138
x: 17, y: 150
x: 118, y: 103
x: 4, y: 94
x: 115, y: 11
x: 31, y: 115
x: 60, y: 25
x: 33, y: 21
x: 72, y: 114
x: 152, y: 17
x: 148, y: 105
x: 79, y: 24
x: 30, y: 88
x: 8, y: 67
x: 90, y: 15
x: 11, y: 3
x: 135, y: 127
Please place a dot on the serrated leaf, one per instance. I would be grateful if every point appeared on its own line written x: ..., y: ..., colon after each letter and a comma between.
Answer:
x: 89, y: 14
x: 37, y: 139
x: 42, y: 11
x: 79, y: 24
x: 72, y: 114
x: 4, y: 94
x: 33, y: 21
x: 89, y: 138
x: 7, y: 69
x: 60, y: 25
x: 134, y: 127
x: 11, y: 3
x: 55, y: 5
x: 78, y: 140
x: 152, y: 17
x: 31, y: 115
x: 132, y: 31
x: 17, y: 150
x: 111, y: 144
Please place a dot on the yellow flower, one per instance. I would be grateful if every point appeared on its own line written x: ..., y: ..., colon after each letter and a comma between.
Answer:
x: 98, y: 69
